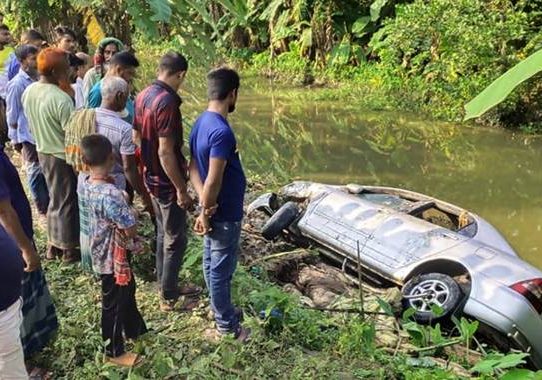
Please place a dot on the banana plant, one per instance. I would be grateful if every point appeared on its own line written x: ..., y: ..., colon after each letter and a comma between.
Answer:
x: 501, y: 87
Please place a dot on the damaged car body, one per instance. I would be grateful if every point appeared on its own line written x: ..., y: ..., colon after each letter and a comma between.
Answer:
x: 420, y: 244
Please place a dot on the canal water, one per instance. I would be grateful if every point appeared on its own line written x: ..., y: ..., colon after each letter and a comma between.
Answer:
x: 288, y: 133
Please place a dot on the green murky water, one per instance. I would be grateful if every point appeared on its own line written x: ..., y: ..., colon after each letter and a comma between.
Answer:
x: 493, y: 173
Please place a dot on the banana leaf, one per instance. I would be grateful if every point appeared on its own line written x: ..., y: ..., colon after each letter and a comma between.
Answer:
x: 501, y: 87
x: 95, y: 32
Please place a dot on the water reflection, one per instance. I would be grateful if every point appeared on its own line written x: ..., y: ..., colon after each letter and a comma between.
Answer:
x: 491, y: 172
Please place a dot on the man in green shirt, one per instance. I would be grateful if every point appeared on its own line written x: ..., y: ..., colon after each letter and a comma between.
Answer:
x: 48, y: 109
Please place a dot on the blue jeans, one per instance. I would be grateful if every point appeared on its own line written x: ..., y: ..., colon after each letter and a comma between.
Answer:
x: 38, y: 186
x: 220, y: 249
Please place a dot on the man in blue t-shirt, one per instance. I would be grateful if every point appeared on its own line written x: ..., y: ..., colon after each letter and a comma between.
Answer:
x: 17, y: 253
x: 123, y: 65
x: 219, y: 180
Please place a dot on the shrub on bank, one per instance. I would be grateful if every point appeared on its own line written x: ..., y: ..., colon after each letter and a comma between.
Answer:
x: 433, y: 57
x: 447, y: 51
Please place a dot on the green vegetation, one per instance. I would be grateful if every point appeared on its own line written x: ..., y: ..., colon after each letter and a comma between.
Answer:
x: 296, y: 343
x: 428, y: 56
x: 499, y: 89
x: 425, y: 56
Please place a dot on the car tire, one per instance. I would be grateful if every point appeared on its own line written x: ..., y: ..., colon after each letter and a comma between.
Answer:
x: 438, y: 289
x: 280, y: 220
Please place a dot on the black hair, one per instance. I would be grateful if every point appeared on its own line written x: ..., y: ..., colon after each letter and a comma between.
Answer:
x: 124, y: 59
x: 221, y: 82
x: 75, y: 61
x: 95, y: 149
x: 173, y: 63
x: 32, y: 35
x: 4, y: 27
x: 22, y: 52
x: 62, y: 31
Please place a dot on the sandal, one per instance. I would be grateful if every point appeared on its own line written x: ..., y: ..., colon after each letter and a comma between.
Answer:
x: 71, y: 256
x: 242, y: 334
x: 190, y: 290
x: 53, y: 253
x: 128, y: 359
x: 188, y: 304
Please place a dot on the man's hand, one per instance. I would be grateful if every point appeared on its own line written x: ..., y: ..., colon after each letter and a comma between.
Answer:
x: 31, y: 259
x: 184, y: 200
x: 210, y: 211
x: 130, y: 232
x: 148, y: 205
x: 202, y: 226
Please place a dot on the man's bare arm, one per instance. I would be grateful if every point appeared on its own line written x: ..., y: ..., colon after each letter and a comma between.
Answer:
x: 136, y: 137
x: 195, y: 178
x: 168, y: 159
x: 209, y: 195
x: 132, y: 175
x: 213, y: 182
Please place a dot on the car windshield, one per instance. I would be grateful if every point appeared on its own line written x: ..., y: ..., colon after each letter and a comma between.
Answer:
x: 393, y: 201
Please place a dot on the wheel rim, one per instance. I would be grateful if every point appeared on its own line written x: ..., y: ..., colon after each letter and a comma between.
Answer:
x: 428, y: 293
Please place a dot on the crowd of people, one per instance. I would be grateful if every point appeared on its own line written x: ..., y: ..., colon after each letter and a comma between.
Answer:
x: 88, y: 145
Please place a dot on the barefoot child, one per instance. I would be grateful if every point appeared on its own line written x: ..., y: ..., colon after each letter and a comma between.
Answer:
x: 112, y: 226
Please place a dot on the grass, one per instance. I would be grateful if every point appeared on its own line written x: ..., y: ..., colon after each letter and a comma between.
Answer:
x: 299, y: 343
x: 303, y: 344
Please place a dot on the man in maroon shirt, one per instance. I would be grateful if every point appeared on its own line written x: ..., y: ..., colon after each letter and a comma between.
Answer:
x: 159, y: 123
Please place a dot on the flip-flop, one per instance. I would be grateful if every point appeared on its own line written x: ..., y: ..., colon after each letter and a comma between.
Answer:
x: 138, y: 359
x: 242, y: 335
x: 53, y: 253
x: 189, y: 290
x: 187, y: 304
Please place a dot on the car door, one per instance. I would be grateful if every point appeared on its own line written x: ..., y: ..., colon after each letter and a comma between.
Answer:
x: 345, y: 223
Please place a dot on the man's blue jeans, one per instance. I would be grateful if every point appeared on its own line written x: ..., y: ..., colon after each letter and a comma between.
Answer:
x: 220, y: 248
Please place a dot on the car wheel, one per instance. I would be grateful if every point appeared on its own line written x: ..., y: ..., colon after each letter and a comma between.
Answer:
x: 280, y: 220
x: 424, y: 292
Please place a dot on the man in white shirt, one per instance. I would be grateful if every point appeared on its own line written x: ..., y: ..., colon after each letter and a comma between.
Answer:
x: 78, y: 85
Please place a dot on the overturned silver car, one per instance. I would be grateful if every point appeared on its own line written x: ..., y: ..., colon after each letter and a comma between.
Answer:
x: 421, y: 244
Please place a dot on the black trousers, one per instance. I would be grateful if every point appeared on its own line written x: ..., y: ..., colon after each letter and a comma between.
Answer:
x: 119, y: 315
x: 171, y: 241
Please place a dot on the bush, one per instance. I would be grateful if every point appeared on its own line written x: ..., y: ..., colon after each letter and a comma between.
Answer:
x: 291, y: 65
x: 449, y: 50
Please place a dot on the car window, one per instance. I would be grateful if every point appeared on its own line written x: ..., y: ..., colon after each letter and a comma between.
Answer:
x: 392, y: 201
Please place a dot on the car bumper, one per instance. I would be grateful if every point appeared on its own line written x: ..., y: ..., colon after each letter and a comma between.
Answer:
x: 510, y: 313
